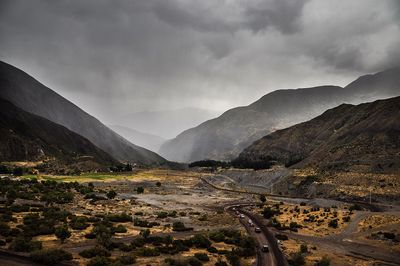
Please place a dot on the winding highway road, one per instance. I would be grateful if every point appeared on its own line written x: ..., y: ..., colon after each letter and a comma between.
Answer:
x: 274, y: 256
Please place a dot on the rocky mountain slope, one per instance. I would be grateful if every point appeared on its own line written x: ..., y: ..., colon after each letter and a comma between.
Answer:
x: 223, y: 138
x: 364, y: 138
x: 28, y: 137
x: 145, y: 140
x: 30, y: 95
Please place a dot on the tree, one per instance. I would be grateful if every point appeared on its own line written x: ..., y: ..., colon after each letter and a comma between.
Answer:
x: 140, y: 190
x: 111, y: 194
x: 62, y: 233
x: 263, y: 198
x: 158, y: 184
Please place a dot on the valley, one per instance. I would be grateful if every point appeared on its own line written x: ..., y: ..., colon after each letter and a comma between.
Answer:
x: 157, y: 215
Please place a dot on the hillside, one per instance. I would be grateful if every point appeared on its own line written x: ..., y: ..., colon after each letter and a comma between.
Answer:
x: 145, y: 140
x: 223, y: 138
x: 28, y: 137
x: 363, y: 137
x: 30, y: 95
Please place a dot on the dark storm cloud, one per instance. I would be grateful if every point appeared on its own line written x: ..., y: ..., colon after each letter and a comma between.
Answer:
x: 118, y: 57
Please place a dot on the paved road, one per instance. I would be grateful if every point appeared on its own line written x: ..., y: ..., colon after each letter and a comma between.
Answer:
x: 274, y: 256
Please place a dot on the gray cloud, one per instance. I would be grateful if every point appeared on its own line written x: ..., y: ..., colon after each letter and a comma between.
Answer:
x: 118, y: 57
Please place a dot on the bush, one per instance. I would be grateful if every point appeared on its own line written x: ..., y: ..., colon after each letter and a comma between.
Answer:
x: 303, y: 248
x: 268, y: 212
x: 297, y: 259
x: 111, y: 194
x: 200, y: 241
x: 325, y: 261
x: 62, y: 233
x: 93, y: 252
x: 221, y: 263
x: 201, y: 256
x: 148, y: 252
x: 119, y: 229
x: 99, y: 261
x: 51, y: 256
x: 127, y: 259
x: 180, y: 227
x: 25, y: 244
x: 281, y: 237
x: 333, y: 223
x: 79, y: 223
x: 119, y: 218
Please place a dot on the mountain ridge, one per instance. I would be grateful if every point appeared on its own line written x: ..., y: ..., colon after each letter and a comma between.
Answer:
x: 364, y: 137
x: 28, y: 137
x: 224, y: 137
x: 30, y: 95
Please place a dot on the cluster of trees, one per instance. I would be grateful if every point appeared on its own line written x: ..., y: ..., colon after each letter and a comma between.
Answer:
x: 210, y: 163
x: 122, y: 168
x: 237, y: 163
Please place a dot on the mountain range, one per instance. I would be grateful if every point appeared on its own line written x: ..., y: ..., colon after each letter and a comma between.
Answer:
x: 31, y: 96
x: 363, y: 137
x: 28, y: 137
x: 224, y: 137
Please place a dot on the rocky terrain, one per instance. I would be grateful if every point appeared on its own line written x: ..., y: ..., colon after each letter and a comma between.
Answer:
x: 361, y: 138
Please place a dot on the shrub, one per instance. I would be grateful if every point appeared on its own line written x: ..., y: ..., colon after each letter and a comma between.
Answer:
x: 119, y: 229
x: 119, y: 218
x: 201, y: 256
x: 263, y: 199
x: 93, y: 252
x: 303, y: 248
x: 111, y: 194
x: 99, y: 261
x: 148, y: 252
x: 127, y: 259
x: 325, y: 261
x: 200, y: 241
x: 297, y: 259
x: 221, y: 263
x: 346, y: 219
x: 62, y: 233
x: 25, y: 244
x: 79, y: 223
x: 180, y: 227
x: 333, y: 223
x: 281, y: 237
x: 51, y: 256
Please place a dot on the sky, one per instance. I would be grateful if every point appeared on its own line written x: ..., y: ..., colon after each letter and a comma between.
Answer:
x: 113, y: 58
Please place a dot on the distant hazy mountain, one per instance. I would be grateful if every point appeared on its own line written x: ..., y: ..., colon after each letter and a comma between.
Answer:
x: 364, y: 137
x: 225, y: 137
x: 30, y: 95
x: 148, y: 141
x: 167, y: 123
x: 28, y: 137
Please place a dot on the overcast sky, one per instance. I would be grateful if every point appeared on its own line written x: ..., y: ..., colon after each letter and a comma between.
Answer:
x: 118, y: 57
